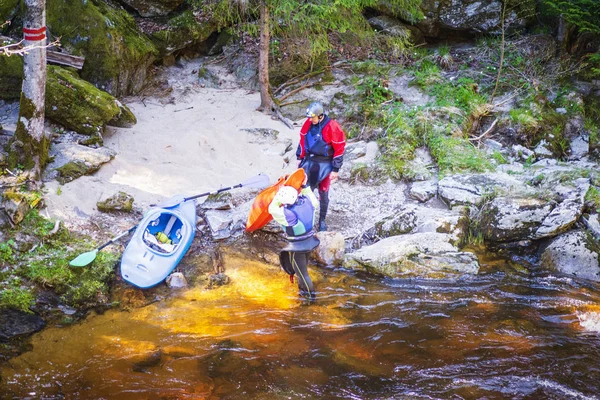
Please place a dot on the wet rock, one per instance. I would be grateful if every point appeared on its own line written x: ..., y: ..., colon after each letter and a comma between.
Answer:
x: 216, y: 280
x: 573, y: 254
x: 15, y: 323
x: 152, y: 360
x: 117, y: 202
x: 331, y: 249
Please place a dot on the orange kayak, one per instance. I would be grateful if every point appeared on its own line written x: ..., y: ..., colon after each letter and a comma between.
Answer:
x: 259, y: 213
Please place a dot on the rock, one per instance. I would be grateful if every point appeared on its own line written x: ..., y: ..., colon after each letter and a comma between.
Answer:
x: 418, y: 254
x: 182, y: 31
x: 80, y: 106
x: 506, y: 219
x: 117, y: 54
x: 331, y: 250
x: 393, y: 27
x: 216, y: 280
x: 564, y: 216
x: 423, y: 191
x: 15, y: 323
x: 15, y: 206
x: 176, y: 280
x: 573, y: 254
x: 117, y: 202
x: 469, y: 188
x: 73, y: 160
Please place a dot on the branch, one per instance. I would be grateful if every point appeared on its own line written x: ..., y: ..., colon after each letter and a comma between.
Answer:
x: 487, y: 132
x: 298, y: 79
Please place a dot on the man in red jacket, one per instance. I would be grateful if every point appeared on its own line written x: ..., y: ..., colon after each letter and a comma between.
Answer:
x: 321, y: 153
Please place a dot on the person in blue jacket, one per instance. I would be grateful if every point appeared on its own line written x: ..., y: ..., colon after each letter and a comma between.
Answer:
x: 296, y: 214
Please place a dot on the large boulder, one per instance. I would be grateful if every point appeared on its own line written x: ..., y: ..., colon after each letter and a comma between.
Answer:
x: 117, y: 54
x: 420, y: 254
x: 574, y: 254
x: 70, y: 161
x: 472, y: 16
x: 182, y: 31
x: 80, y: 106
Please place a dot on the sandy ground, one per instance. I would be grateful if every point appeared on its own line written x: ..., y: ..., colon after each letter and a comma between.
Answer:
x: 197, y: 141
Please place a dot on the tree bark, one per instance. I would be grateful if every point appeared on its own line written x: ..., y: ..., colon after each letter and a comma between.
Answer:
x: 29, y: 147
x: 266, y: 101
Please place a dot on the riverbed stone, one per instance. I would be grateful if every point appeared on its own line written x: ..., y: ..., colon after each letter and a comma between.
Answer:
x: 15, y: 323
x: 419, y: 254
x: 573, y: 254
x: 423, y: 191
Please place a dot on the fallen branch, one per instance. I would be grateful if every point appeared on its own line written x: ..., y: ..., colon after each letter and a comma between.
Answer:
x: 301, y: 88
x: 298, y: 79
x: 282, y: 118
x: 487, y: 132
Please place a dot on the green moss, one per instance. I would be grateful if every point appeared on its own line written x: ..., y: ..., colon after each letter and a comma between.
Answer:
x: 455, y: 155
x: 108, y: 38
x: 16, y: 298
x: 11, y: 76
x: 183, y: 30
x: 29, y: 150
x: 72, y: 170
x: 7, y: 252
x: 79, y: 105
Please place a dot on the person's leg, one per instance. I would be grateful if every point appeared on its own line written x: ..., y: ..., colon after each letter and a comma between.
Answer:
x: 323, y: 202
x: 300, y: 263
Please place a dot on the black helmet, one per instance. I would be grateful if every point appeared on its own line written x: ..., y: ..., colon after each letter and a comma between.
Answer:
x: 315, y: 109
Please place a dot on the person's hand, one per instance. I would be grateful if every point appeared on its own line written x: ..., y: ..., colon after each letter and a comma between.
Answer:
x: 333, y: 176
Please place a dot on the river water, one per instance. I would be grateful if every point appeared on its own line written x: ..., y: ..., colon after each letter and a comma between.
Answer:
x: 502, y: 334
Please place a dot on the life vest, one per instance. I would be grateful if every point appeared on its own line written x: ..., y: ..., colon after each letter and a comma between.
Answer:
x: 305, y: 215
x: 315, y: 144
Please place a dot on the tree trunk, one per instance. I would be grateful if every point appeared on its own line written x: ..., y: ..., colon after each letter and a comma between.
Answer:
x: 266, y: 101
x: 29, y: 147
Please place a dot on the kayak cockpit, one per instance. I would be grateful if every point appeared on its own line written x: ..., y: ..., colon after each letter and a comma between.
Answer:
x: 164, y: 233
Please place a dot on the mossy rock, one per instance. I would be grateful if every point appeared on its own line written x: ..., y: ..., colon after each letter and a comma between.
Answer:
x: 118, y: 202
x: 72, y: 170
x: 183, y: 31
x: 80, y: 106
x: 117, y: 54
x: 11, y: 76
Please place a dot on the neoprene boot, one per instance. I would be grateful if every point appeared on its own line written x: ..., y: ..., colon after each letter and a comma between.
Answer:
x: 324, y: 205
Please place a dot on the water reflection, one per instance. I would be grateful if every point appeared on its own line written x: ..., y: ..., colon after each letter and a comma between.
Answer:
x: 506, y: 333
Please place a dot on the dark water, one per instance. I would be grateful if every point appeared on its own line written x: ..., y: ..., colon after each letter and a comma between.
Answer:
x: 504, y: 334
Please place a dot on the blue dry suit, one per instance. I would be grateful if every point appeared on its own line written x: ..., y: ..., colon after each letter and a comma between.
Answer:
x: 297, y: 222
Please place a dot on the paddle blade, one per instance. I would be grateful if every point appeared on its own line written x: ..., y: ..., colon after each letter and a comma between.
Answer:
x: 84, y: 259
x: 259, y: 181
x: 172, y: 202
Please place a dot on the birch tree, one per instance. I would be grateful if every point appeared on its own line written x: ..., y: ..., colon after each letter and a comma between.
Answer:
x: 29, y: 147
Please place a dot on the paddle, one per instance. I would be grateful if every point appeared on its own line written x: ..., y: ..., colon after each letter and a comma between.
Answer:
x: 84, y: 259
x: 258, y: 181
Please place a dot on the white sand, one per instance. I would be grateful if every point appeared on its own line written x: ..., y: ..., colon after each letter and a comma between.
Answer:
x: 174, y: 149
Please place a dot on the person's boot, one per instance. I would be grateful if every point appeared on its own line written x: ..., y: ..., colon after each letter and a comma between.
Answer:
x: 324, y: 205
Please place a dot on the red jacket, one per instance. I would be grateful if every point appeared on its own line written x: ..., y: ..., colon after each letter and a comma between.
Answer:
x: 332, y: 134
